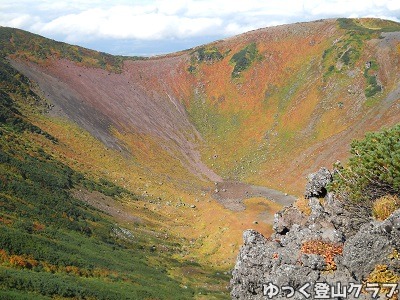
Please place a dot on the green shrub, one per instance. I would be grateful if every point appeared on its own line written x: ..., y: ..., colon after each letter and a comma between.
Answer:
x: 244, y: 58
x: 373, y: 170
x: 350, y: 24
x: 372, y: 85
x: 191, y: 69
x: 209, y: 54
x: 373, y: 25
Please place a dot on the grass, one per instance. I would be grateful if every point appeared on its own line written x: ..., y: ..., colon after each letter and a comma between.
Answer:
x: 210, y: 122
x: 383, y: 275
x: 385, y: 206
x: 215, y: 126
x: 54, y: 245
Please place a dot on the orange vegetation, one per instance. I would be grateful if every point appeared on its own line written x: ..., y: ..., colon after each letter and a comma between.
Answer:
x: 325, y: 249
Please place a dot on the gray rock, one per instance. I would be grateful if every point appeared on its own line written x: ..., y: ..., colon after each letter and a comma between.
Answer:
x: 316, y: 209
x: 279, y: 259
x: 252, y: 237
x: 372, y: 245
x: 313, y: 261
x: 317, y: 183
x: 391, y: 226
x: 286, y: 218
x: 332, y: 235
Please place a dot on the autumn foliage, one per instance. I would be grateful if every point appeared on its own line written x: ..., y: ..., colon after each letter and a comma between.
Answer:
x: 325, y: 249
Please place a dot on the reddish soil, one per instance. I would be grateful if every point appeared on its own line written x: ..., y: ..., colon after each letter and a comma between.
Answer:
x: 148, y: 98
x: 139, y: 101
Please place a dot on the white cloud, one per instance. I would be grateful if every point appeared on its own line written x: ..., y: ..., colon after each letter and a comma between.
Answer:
x: 361, y: 8
x: 124, y: 22
x: 78, y: 21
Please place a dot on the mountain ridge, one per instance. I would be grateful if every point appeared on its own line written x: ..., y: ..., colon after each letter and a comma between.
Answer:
x: 192, y: 134
x: 191, y: 83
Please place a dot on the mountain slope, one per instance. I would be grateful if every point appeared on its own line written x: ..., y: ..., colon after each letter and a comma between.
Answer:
x: 306, y: 87
x: 180, y: 131
x: 66, y: 229
x: 54, y: 245
x: 301, y: 102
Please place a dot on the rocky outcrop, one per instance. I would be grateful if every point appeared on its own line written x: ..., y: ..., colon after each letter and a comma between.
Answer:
x: 309, y: 252
x: 317, y: 183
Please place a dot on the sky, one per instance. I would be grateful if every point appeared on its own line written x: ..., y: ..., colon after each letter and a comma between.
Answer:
x: 151, y: 27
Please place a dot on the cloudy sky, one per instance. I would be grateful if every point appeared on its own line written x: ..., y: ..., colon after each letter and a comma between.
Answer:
x: 148, y: 27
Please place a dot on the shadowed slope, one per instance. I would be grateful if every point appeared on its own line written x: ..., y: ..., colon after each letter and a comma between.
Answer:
x: 100, y: 101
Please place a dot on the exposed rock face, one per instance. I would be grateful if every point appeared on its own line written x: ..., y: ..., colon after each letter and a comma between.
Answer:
x: 285, y: 219
x: 317, y: 183
x: 373, y: 244
x: 323, y: 247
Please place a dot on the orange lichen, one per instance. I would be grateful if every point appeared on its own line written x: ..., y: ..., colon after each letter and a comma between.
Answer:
x: 325, y: 249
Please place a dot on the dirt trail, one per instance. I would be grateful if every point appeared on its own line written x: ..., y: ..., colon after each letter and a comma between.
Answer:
x: 231, y: 194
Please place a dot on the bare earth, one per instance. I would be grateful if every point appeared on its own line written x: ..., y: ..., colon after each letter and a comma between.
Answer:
x: 231, y: 194
x: 107, y: 205
x: 138, y: 101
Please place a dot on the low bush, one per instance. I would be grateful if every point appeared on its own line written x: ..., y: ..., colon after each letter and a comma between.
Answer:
x: 244, y: 58
x: 209, y: 54
x: 382, y: 275
x: 384, y: 206
x: 373, y: 169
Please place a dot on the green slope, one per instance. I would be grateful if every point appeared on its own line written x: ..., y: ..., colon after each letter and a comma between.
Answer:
x: 52, y: 244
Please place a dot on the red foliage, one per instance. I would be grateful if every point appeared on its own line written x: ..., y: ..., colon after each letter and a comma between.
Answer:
x: 325, y: 249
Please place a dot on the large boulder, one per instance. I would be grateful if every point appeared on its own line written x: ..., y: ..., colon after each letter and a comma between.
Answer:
x: 285, y: 219
x: 282, y: 260
x: 373, y: 244
x: 317, y: 183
